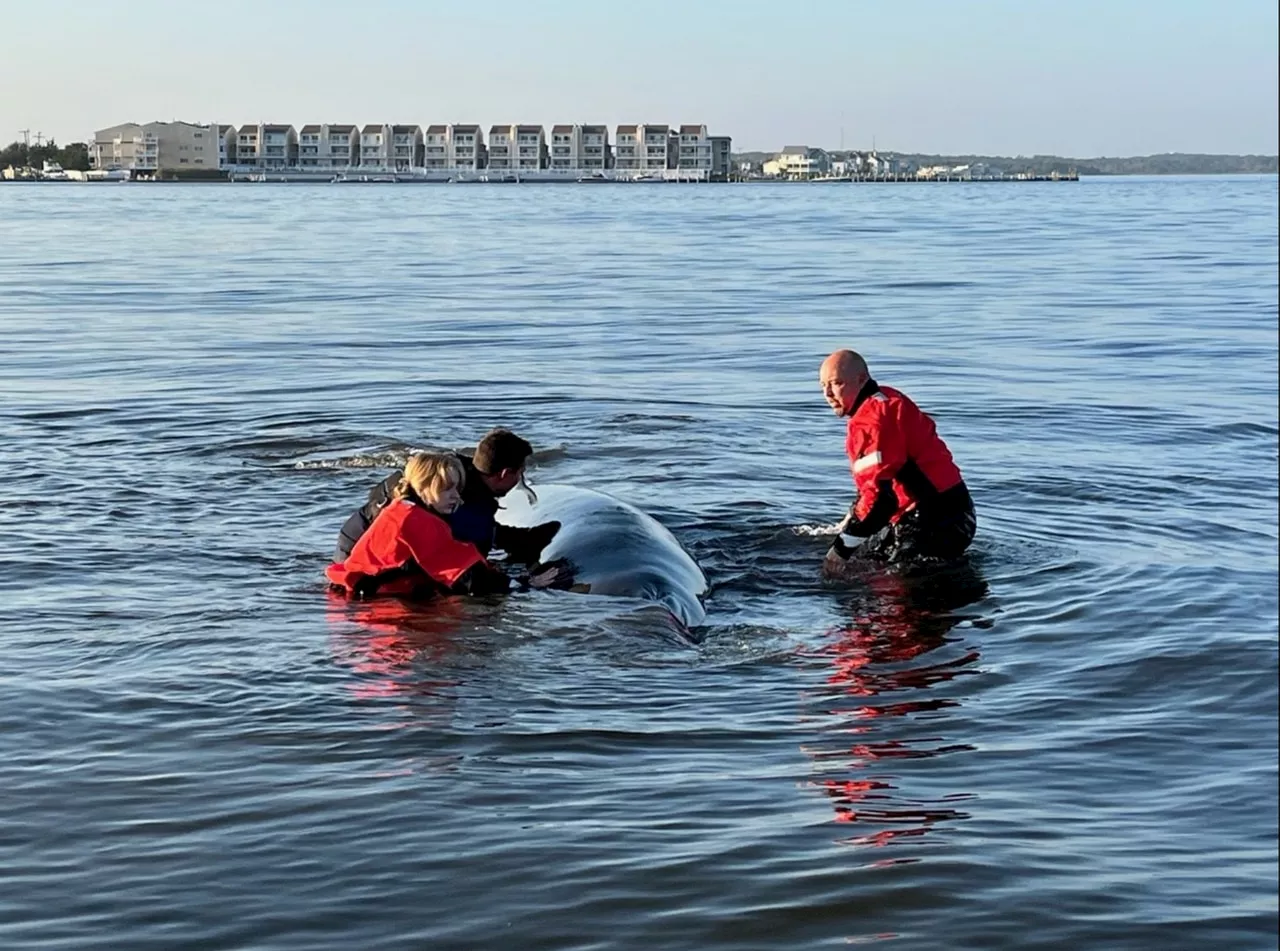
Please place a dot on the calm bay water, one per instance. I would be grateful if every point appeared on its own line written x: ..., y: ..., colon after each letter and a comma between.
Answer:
x: 1070, y: 742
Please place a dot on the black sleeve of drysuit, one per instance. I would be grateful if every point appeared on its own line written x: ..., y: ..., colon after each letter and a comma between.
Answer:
x: 358, y: 522
x: 882, y: 509
x: 480, y: 579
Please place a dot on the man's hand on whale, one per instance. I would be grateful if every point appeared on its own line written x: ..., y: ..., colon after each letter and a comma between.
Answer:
x: 556, y: 575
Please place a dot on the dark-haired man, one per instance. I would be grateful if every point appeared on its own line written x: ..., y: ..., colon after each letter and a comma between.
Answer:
x: 496, y: 467
x: 912, y: 501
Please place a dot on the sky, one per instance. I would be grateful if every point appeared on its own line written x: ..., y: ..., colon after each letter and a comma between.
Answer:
x: 1081, y: 78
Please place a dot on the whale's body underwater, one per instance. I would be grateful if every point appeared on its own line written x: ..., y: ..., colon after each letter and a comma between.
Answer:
x: 616, y: 549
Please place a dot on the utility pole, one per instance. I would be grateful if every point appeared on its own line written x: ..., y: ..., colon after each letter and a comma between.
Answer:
x: 26, y: 138
x: 39, y: 139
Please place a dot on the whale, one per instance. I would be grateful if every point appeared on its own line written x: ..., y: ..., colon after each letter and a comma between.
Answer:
x: 615, y: 548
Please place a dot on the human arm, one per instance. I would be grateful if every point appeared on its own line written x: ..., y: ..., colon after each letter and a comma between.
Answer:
x: 877, y: 449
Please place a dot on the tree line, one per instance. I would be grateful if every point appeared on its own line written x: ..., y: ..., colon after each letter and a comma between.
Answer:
x: 73, y: 157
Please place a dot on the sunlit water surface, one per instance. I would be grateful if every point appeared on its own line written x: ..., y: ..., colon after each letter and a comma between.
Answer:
x: 1068, y: 743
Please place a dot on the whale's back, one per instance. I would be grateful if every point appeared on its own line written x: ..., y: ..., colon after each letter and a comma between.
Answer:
x: 616, y: 548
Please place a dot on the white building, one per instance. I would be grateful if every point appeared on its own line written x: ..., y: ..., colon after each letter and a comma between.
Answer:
x: 517, y: 148
x: 502, y: 152
x: 375, y: 146
x: 798, y: 162
x: 328, y: 146
x: 160, y: 146
x: 627, y: 151
x: 596, y: 154
x: 267, y: 146
x: 531, y: 147
x: 658, y: 143
x: 406, y: 146
x: 694, y: 149
x: 464, y: 148
x: 435, y: 139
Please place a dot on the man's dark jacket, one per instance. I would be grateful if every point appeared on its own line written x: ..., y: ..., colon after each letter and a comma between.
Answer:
x: 473, y: 521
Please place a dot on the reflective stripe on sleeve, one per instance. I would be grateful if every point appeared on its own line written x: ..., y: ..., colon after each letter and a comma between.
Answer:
x: 866, y: 462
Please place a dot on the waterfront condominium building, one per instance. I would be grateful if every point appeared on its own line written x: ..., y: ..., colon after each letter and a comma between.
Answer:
x: 627, y: 148
x: 435, y: 140
x: 694, y: 149
x: 155, y: 146
x: 406, y: 147
x: 580, y: 148
x: 327, y: 146
x: 517, y: 148
x: 566, y: 147
x: 375, y: 146
x: 502, y: 154
x: 267, y: 146
x: 464, y: 147
x: 596, y: 155
x: 658, y: 144
x: 531, y: 147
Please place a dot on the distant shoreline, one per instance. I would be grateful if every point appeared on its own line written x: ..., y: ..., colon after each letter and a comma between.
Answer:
x: 1170, y: 163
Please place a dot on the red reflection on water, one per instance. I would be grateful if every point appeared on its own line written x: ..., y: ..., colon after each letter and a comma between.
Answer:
x: 894, y: 623
x: 389, y: 637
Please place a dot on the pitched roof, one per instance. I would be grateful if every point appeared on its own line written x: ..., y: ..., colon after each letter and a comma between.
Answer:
x: 529, y: 128
x: 628, y: 128
x: 436, y: 129
x: 595, y: 129
x: 373, y: 127
x: 276, y: 128
x: 692, y: 129
x: 561, y: 128
x: 342, y: 128
x: 309, y: 128
x: 465, y: 128
x: 405, y: 129
x: 795, y: 150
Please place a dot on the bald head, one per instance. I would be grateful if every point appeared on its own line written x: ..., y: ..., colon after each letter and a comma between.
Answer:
x: 843, y: 375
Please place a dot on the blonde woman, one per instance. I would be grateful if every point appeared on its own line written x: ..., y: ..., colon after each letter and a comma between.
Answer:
x: 410, y: 549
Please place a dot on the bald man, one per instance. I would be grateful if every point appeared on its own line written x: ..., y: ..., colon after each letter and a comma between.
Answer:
x: 912, y: 503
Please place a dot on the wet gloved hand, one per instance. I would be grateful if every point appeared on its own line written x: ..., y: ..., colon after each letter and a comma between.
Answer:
x: 557, y: 575
x: 843, y: 547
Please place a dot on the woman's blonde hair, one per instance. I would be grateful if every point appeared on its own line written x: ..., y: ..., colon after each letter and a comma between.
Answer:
x: 427, y: 475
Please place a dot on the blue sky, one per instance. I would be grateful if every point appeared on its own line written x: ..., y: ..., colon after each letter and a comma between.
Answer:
x: 1077, y: 78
